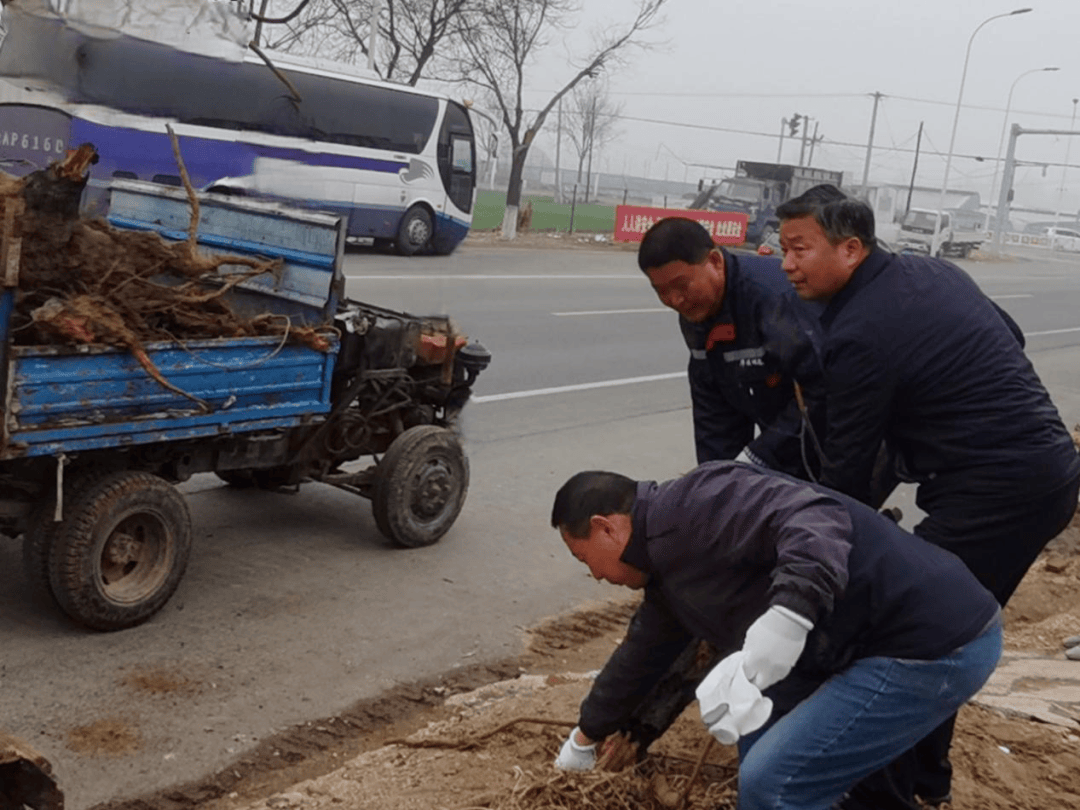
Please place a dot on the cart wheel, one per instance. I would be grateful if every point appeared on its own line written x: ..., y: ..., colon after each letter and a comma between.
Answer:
x: 38, y: 539
x: 121, y: 551
x: 420, y: 486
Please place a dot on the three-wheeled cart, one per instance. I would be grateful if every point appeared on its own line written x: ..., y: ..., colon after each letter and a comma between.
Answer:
x: 91, y: 445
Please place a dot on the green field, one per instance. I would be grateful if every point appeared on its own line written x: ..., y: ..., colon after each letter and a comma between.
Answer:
x: 547, y: 216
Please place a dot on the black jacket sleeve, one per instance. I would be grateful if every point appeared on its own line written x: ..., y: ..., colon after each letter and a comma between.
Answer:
x: 720, y: 431
x: 1014, y: 327
x: 653, y: 641
x: 859, y: 393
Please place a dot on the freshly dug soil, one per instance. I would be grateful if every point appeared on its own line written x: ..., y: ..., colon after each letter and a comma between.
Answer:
x: 430, y: 745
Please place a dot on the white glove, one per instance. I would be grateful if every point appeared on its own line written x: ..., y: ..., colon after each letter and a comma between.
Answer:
x: 746, y: 457
x: 773, y: 644
x: 730, y: 705
x: 574, y: 757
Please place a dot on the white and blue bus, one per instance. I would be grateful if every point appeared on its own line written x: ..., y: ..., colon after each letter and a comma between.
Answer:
x: 398, y: 163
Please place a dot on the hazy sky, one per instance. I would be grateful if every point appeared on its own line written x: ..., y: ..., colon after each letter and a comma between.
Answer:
x: 746, y: 65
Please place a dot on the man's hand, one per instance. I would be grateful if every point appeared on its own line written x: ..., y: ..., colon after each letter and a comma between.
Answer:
x: 730, y: 705
x: 617, y: 752
x: 773, y: 644
x: 575, y: 756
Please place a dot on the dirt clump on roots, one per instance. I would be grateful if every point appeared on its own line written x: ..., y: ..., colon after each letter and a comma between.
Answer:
x: 81, y: 281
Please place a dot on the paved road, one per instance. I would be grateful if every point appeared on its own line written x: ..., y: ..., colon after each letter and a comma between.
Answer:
x: 293, y: 607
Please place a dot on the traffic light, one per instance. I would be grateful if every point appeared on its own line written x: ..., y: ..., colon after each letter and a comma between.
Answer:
x: 793, y: 124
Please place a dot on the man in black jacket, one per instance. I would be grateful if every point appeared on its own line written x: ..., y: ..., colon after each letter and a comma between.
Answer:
x: 916, y: 355
x: 750, y: 340
x: 818, y: 595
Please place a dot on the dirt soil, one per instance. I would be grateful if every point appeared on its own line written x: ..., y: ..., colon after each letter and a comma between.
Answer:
x: 472, y: 738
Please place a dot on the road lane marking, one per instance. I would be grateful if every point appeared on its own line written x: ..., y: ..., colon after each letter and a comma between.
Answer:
x: 1052, y: 332
x: 609, y: 312
x: 1017, y: 295
x: 565, y: 389
x: 481, y: 277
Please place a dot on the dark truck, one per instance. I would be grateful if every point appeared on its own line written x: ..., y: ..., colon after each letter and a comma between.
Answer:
x: 92, y: 444
x: 757, y: 189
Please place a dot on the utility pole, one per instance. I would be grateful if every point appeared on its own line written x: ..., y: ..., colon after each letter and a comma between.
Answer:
x: 870, y: 143
x: 780, y: 148
x: 914, y: 167
x: 1065, y: 168
x: 805, y: 129
x: 814, y: 140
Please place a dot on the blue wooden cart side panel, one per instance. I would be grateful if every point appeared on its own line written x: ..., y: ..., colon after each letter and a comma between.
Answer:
x: 311, y: 244
x: 167, y: 430
x: 99, y: 397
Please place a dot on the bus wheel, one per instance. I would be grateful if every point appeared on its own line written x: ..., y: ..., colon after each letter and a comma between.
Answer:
x: 415, y: 231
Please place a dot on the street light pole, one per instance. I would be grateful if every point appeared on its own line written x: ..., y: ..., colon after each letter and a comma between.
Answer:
x: 935, y: 243
x: 1065, y: 168
x: 1001, y: 140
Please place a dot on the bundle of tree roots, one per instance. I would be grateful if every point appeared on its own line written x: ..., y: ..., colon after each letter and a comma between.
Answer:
x: 81, y: 281
x: 658, y: 783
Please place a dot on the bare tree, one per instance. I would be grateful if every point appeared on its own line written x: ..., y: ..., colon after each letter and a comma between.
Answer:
x: 591, y: 123
x: 408, y: 34
x: 500, y: 46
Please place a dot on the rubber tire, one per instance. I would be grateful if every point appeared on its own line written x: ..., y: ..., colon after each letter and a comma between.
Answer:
x: 38, y: 541
x: 159, y: 523
x: 420, y: 486
x: 41, y: 530
x: 416, y: 222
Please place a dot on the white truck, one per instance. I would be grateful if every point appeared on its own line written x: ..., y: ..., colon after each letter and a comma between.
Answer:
x: 957, y: 238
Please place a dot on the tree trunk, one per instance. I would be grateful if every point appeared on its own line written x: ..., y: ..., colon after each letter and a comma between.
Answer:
x: 513, y: 193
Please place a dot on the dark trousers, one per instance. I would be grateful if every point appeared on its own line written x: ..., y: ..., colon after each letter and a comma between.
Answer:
x: 998, y: 541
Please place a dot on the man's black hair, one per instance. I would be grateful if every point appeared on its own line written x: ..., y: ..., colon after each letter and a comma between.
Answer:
x: 674, y: 239
x: 839, y: 216
x: 591, y: 493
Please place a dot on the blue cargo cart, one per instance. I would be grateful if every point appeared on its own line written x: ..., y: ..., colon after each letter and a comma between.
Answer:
x: 91, y: 445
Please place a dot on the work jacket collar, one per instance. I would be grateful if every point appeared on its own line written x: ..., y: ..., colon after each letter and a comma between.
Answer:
x: 871, y: 267
x: 636, y: 552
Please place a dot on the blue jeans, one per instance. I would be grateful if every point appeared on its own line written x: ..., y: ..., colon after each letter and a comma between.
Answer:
x: 857, y: 722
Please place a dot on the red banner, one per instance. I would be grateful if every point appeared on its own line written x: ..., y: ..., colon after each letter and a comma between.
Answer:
x: 631, y: 222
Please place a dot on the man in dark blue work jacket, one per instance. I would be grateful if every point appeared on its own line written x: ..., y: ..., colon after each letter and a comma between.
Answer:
x: 849, y: 638
x: 915, y: 354
x: 750, y: 341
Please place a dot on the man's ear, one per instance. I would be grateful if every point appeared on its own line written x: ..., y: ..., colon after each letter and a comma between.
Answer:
x: 716, y: 259
x: 601, y: 524
x: 852, y: 252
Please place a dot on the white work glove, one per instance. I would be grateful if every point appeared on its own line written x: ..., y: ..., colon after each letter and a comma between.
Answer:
x: 773, y: 644
x: 730, y: 705
x: 574, y: 757
x: 747, y: 457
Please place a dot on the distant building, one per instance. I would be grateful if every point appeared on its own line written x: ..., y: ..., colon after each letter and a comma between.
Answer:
x: 890, y: 201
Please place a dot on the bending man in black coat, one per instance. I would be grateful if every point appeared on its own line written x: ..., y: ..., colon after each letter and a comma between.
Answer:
x: 819, y: 596
x: 750, y: 340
